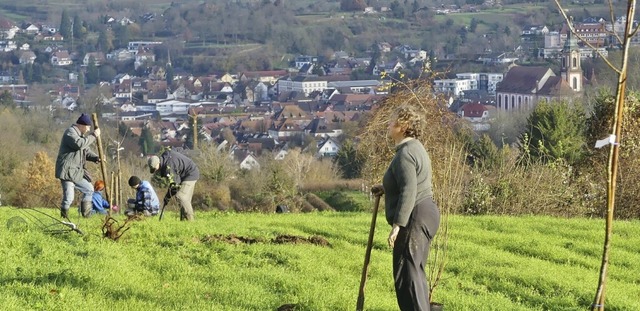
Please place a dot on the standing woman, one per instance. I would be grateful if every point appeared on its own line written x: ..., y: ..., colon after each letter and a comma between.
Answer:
x: 409, y: 209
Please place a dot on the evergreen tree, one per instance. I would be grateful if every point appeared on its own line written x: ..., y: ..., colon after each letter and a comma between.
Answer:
x: 123, y: 130
x: 554, y: 131
x: 484, y: 153
x: 396, y: 9
x: 79, y: 31
x: 122, y: 36
x: 65, y: 25
x: 27, y: 73
x: 473, y: 25
x: 105, y: 41
x: 169, y: 75
x: 349, y: 160
x: 81, y: 80
x: 38, y: 72
x: 93, y: 74
x: 146, y: 142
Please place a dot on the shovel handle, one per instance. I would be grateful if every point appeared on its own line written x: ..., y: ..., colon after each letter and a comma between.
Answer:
x: 367, y: 255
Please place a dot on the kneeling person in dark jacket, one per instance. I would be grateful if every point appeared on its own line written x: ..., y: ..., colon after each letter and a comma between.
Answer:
x: 146, y: 201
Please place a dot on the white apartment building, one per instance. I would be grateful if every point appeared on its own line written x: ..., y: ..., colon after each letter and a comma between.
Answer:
x: 174, y: 107
x: 454, y: 86
x: 302, y: 84
x: 469, y: 81
x: 554, y: 42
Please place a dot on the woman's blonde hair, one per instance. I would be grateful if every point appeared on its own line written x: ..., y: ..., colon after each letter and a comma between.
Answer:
x: 410, y: 120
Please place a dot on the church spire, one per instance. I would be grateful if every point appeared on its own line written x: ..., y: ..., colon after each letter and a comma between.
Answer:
x: 571, y: 70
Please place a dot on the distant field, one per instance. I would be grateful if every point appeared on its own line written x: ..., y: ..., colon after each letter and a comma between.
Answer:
x: 229, y: 261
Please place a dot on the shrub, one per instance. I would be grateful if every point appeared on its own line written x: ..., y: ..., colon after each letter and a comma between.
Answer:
x: 216, y: 197
x: 34, y: 181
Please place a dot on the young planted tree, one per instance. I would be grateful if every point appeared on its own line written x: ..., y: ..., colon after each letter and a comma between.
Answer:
x: 621, y: 69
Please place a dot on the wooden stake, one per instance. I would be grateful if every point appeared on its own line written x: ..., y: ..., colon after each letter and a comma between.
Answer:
x: 103, y: 161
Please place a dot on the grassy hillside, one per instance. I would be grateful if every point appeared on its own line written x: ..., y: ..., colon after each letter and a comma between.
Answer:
x: 226, y: 261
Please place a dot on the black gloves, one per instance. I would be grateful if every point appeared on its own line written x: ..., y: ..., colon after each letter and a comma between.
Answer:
x: 377, y: 190
x: 173, y: 190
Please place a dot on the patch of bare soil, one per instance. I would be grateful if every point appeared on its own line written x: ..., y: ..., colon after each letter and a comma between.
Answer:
x: 292, y: 239
x: 288, y: 307
x: 231, y: 239
x: 280, y: 239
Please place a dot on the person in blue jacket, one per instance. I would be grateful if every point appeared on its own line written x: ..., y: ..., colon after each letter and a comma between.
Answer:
x: 146, y: 201
x: 99, y: 204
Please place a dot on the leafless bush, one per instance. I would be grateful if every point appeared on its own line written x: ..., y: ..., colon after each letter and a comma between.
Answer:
x: 36, y: 181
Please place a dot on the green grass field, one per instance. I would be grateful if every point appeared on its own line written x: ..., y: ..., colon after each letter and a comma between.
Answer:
x: 495, y: 263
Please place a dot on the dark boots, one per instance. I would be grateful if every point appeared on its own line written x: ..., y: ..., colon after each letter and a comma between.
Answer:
x: 85, y: 208
x: 64, y: 213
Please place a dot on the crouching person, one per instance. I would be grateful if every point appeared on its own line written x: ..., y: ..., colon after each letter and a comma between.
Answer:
x: 100, y: 205
x: 146, y: 201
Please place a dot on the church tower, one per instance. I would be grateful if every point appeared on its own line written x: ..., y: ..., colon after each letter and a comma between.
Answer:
x: 571, y: 70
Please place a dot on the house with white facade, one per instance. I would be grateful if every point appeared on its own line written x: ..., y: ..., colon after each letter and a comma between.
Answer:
x: 356, y: 86
x: 302, y: 84
x: 61, y: 58
x: 27, y: 57
x: 554, y: 43
x: 98, y: 58
x: 135, y: 46
x: 328, y: 147
x: 477, y: 114
x: 454, y: 86
x: 483, y: 81
x: 245, y: 159
x: 173, y: 106
x: 302, y: 60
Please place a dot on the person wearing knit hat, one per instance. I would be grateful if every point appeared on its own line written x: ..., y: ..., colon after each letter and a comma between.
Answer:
x: 73, y: 154
x: 84, y: 119
x: 146, y: 201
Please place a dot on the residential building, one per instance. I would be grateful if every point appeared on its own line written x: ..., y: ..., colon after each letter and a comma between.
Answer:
x: 98, y: 58
x: 554, y: 43
x: 302, y: 60
x: 135, y: 46
x: 61, y: 58
x: 302, y: 84
x: 356, y: 86
x: 328, y: 147
x: 455, y: 86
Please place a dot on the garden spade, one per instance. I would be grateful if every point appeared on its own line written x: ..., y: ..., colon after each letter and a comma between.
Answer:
x: 367, y: 255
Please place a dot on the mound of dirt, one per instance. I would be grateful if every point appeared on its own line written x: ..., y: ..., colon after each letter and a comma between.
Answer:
x: 280, y: 239
x: 231, y: 239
